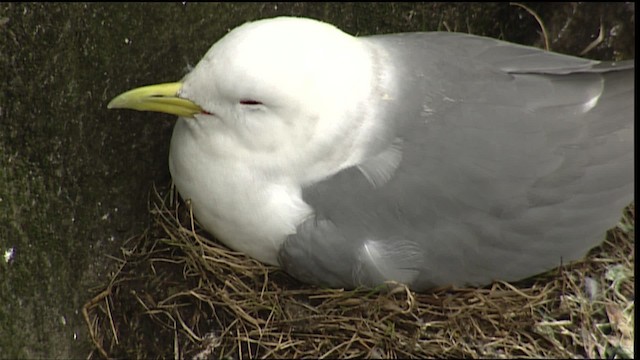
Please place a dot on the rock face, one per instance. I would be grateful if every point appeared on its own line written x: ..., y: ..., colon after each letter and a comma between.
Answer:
x: 75, y: 178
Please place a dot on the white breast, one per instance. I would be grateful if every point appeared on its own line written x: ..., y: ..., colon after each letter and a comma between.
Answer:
x: 246, y: 211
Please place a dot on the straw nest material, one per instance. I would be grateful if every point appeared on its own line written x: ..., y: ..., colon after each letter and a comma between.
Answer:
x: 178, y: 293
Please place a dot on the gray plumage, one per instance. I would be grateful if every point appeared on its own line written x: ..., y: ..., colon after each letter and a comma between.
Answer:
x: 510, y: 160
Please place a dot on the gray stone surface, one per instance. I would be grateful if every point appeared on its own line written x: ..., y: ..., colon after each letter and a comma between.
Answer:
x: 75, y: 178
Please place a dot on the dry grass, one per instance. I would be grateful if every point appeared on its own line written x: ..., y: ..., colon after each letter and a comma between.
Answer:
x: 179, y: 294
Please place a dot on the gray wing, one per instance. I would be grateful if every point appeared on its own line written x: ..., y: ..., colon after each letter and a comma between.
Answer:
x: 512, y: 160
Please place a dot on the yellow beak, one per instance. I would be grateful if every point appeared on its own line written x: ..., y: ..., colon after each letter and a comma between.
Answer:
x: 160, y: 98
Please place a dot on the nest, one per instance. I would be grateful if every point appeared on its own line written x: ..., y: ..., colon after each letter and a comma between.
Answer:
x: 178, y: 293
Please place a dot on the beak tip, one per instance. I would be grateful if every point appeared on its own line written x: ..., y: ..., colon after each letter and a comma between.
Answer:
x: 118, y: 102
x: 113, y: 104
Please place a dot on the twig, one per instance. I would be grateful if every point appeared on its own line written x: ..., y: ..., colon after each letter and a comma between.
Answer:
x: 535, y: 15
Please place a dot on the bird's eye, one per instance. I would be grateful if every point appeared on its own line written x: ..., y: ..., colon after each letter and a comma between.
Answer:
x: 250, y: 102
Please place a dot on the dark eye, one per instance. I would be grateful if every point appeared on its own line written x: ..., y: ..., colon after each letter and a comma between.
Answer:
x: 250, y: 102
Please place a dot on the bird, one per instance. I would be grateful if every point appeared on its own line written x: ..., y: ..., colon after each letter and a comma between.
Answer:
x: 424, y: 158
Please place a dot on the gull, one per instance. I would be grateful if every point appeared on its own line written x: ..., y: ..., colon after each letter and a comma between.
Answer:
x: 425, y: 158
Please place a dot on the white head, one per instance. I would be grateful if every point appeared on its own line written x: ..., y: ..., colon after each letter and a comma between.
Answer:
x: 277, y: 90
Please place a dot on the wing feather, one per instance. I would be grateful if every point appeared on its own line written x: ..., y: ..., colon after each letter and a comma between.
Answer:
x: 513, y: 161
